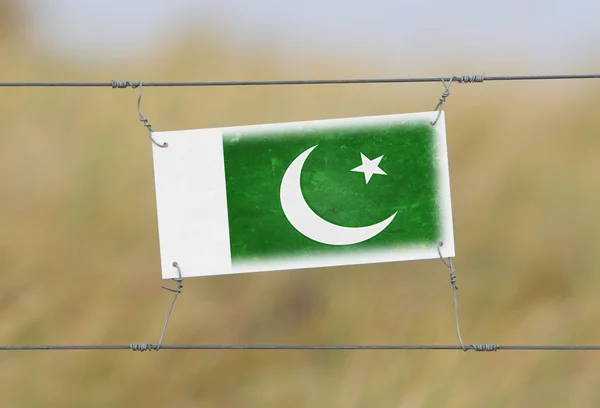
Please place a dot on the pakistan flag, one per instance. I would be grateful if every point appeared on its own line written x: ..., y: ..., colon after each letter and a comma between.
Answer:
x: 305, y: 194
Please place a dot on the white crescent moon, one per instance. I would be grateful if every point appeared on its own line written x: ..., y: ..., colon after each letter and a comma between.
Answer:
x: 310, y: 224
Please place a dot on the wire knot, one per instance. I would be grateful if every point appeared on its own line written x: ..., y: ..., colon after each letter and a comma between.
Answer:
x: 179, y: 281
x: 453, y: 277
x: 484, y: 347
x: 469, y: 79
x: 450, y: 266
x: 146, y: 124
x: 174, y: 290
x: 124, y: 84
x: 445, y: 95
x: 141, y: 347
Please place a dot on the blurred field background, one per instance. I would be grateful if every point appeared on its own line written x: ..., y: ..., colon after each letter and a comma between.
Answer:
x: 79, y: 244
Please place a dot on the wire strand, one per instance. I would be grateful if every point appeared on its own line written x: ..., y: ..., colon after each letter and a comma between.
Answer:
x: 176, y: 292
x: 145, y: 347
x: 460, y: 79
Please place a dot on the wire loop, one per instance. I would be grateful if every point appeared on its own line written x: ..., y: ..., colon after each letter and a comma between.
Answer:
x: 144, y: 120
x: 443, y: 98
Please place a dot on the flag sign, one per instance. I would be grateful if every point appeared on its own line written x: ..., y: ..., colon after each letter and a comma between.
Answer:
x: 303, y: 195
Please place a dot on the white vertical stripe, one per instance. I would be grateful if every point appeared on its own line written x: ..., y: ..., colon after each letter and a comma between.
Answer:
x: 191, y: 201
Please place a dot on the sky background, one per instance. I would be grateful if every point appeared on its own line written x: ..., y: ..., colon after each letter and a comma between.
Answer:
x: 547, y: 36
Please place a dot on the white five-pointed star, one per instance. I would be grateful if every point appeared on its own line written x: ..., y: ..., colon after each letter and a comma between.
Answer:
x: 369, y: 167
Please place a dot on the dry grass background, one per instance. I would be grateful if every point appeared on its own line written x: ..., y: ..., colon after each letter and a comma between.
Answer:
x: 79, y: 248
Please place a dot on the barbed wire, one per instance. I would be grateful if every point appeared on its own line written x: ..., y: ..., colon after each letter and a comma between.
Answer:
x: 459, y: 79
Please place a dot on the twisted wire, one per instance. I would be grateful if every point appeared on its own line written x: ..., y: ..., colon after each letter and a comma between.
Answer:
x: 469, y: 79
x: 177, y: 291
x: 485, y: 347
x: 443, y: 98
x: 454, y: 293
x: 145, y: 123
x: 460, y: 79
x: 141, y: 347
x: 125, y: 84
